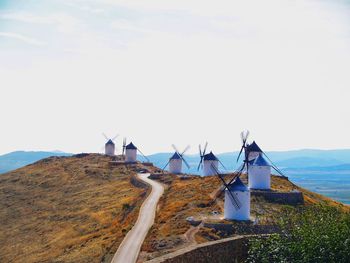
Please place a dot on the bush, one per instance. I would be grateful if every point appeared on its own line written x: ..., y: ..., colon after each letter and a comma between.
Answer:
x: 126, y: 206
x: 316, y: 234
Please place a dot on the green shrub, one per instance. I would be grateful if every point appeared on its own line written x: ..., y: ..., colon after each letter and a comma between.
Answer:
x: 316, y: 234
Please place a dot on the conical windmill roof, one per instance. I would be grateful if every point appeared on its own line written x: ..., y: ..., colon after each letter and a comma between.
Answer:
x: 260, y: 161
x: 237, y: 185
x: 210, y: 157
x: 110, y: 142
x: 175, y: 156
x: 253, y: 147
x: 130, y: 146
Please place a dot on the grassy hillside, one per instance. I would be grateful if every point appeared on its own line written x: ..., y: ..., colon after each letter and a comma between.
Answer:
x: 66, y: 209
x: 193, y: 197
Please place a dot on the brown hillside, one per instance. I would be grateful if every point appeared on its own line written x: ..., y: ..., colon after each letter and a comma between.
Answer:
x: 193, y: 197
x: 67, y: 209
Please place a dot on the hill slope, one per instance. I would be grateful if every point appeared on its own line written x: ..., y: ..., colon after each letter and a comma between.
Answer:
x: 66, y: 209
x: 193, y: 197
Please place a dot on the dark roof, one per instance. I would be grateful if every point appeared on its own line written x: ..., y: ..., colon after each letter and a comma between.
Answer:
x: 210, y: 157
x: 237, y: 185
x: 110, y: 142
x: 130, y: 146
x: 253, y: 147
x: 176, y: 156
x: 261, y: 161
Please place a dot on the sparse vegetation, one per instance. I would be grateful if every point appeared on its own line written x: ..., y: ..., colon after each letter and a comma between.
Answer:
x: 316, y: 234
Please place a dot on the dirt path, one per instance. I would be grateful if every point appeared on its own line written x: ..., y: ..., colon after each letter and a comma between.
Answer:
x: 129, y: 249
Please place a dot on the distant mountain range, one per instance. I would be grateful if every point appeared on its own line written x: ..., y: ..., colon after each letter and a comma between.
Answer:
x: 322, y: 160
x: 18, y: 159
x: 289, y: 161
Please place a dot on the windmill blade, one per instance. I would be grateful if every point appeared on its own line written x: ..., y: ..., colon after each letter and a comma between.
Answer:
x: 237, y: 174
x: 183, y: 159
x: 104, y: 135
x: 201, y: 156
x: 234, y: 200
x: 144, y: 156
x: 274, y: 166
x: 199, y: 165
x: 124, y: 145
x: 205, y: 148
x: 166, y: 165
x: 115, y: 137
x: 174, y: 147
x: 240, y: 152
x: 222, y: 165
x: 244, y: 135
x: 186, y: 149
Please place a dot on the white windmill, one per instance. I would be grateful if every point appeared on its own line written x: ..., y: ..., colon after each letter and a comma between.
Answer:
x: 130, y: 152
x: 110, y: 145
x: 259, y: 174
x: 237, y: 197
x: 209, y: 162
x: 175, y: 161
x: 257, y: 167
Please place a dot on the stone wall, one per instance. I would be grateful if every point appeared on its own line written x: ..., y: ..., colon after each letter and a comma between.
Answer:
x: 286, y: 198
x: 243, y: 228
x: 226, y: 250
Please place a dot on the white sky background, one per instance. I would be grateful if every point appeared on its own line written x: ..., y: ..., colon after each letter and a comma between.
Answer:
x: 183, y: 72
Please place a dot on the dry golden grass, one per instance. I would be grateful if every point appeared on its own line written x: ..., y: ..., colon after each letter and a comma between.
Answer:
x: 193, y: 197
x: 66, y: 209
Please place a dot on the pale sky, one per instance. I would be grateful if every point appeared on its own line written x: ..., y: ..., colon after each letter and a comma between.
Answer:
x: 178, y: 71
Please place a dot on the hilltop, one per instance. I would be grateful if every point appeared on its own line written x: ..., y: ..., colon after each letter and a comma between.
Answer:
x: 79, y: 208
x: 67, y: 209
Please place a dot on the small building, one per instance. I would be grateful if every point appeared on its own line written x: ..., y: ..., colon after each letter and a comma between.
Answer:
x: 254, y: 151
x: 259, y: 174
x: 210, y: 160
x: 110, y: 148
x: 130, y: 153
x: 175, y: 164
x: 241, y: 193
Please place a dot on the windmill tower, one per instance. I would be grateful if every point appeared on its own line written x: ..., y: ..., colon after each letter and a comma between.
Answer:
x: 130, y: 152
x: 237, y: 197
x: 175, y: 161
x: 209, y: 162
x: 257, y: 167
x: 110, y: 145
x: 241, y: 193
x: 260, y: 174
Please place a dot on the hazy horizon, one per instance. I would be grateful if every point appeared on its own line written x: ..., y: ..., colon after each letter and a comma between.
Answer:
x: 181, y: 72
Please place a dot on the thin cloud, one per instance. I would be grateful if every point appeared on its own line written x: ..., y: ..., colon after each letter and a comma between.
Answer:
x: 25, y: 39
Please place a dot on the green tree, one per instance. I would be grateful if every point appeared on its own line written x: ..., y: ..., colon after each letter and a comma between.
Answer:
x: 310, y: 234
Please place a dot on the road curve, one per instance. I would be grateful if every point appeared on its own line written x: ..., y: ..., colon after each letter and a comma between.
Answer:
x: 129, y: 249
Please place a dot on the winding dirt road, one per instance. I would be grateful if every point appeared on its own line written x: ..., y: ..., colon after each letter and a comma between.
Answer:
x: 129, y: 249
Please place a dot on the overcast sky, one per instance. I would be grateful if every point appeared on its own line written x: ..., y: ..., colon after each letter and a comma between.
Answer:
x: 177, y: 71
